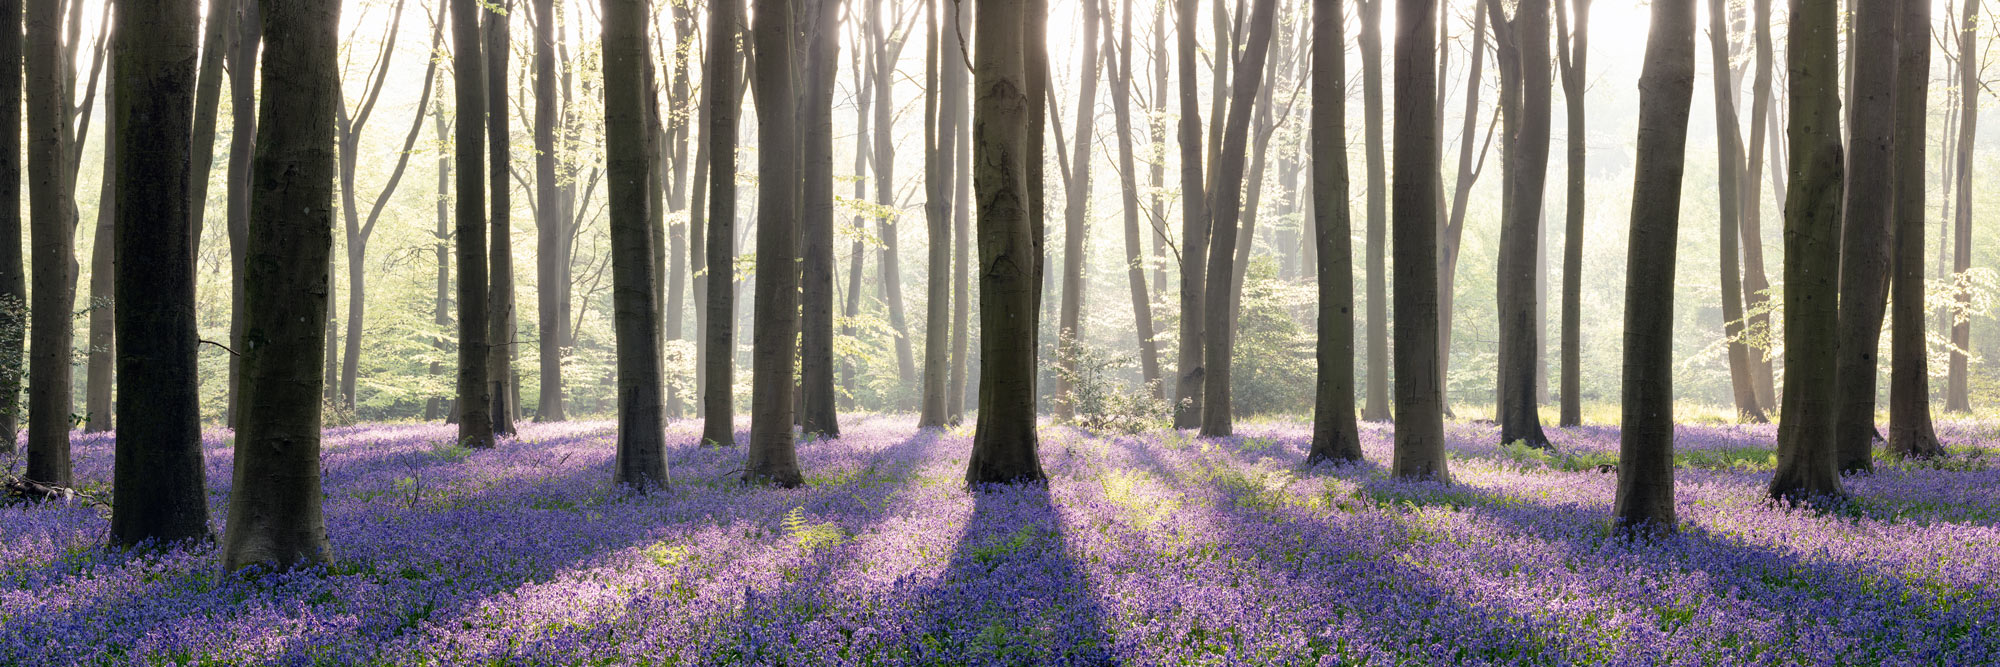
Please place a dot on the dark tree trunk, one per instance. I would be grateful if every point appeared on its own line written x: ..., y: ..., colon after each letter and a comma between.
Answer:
x: 820, y: 414
x: 1335, y: 436
x: 1756, y: 287
x: 1645, y: 496
x: 1195, y: 225
x: 773, y: 456
x: 721, y: 84
x: 101, y: 350
x: 243, y: 50
x: 1729, y: 176
x: 500, y: 285
x: 1869, y: 208
x: 1076, y: 213
x: 475, y: 421
x: 551, y: 226
x: 1008, y: 50
x: 13, y: 273
x: 1375, y: 407
x: 1527, y: 162
x: 1911, y: 434
x: 157, y: 474
x: 1226, y: 196
x: 1419, y: 385
x: 52, y: 231
x: 1135, y: 253
x: 1807, y: 466
x: 1573, y: 50
x: 275, y: 518
x: 1956, y: 394
x: 207, y: 106
x: 641, y: 460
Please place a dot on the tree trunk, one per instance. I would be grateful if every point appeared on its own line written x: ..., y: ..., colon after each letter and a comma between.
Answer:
x: 940, y: 142
x: 207, y: 106
x: 1375, y: 407
x: 1218, y: 345
x: 1645, y: 495
x: 1076, y: 213
x: 821, y: 59
x: 883, y: 163
x: 1008, y: 46
x: 1911, y: 434
x: 1195, y: 224
x: 677, y: 157
x: 1135, y: 254
x: 551, y: 226
x: 1470, y: 166
x: 773, y: 457
x: 721, y: 82
x: 1527, y: 160
x: 13, y: 273
x: 641, y: 460
x: 97, y: 374
x: 439, y: 407
x: 243, y: 50
x: 1756, y: 287
x: 274, y: 510
x: 1868, y: 210
x: 961, y: 307
x: 1156, y: 161
x: 157, y: 474
x: 52, y: 228
x: 1956, y: 394
x: 1807, y: 466
x: 1419, y: 434
x: 500, y: 286
x: 1730, y: 176
x: 1335, y: 435
x: 358, y: 234
x: 864, y: 81
x: 475, y: 421
x: 1573, y: 52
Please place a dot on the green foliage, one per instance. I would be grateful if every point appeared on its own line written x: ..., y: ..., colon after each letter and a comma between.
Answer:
x: 1275, y: 369
x: 1100, y: 400
x: 810, y: 536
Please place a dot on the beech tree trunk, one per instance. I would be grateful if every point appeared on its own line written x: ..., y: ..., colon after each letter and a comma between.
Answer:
x: 1375, y: 407
x: 1807, y: 459
x: 1128, y: 177
x: 475, y: 419
x: 500, y: 280
x: 1756, y: 286
x: 883, y: 164
x: 1868, y: 210
x: 217, y: 29
x: 551, y: 226
x: 1520, y: 228
x: 720, y: 83
x: 1007, y: 52
x: 962, y: 241
x: 820, y: 61
x: 97, y: 374
x: 157, y: 477
x: 1218, y: 343
x: 1195, y: 227
x: 275, y: 517
x: 52, y: 231
x: 1335, y: 436
x: 1419, y: 384
x: 1470, y: 166
x: 1730, y: 177
x: 773, y: 458
x: 1956, y: 394
x: 641, y: 459
x: 1572, y: 52
x: 677, y: 156
x: 1911, y: 434
x: 1645, y: 495
x: 1076, y: 213
x: 242, y: 58
x: 439, y: 407
x: 13, y: 273
x: 940, y: 158
x: 350, y: 130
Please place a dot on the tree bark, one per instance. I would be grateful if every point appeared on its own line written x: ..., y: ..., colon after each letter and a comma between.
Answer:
x: 1335, y: 435
x: 641, y: 459
x: 940, y: 158
x: 1956, y: 394
x: 1375, y: 407
x: 1195, y: 227
x: 1730, y: 177
x: 1419, y: 434
x: 1076, y: 213
x: 1572, y: 54
x: 275, y: 517
x: 962, y: 241
x: 475, y: 421
x: 1470, y: 166
x: 1520, y: 228
x: 1008, y: 43
x: 100, y: 344
x: 1645, y: 495
x: 551, y: 226
x: 1218, y: 344
x: 1868, y: 211
x: 242, y: 57
x: 721, y: 82
x: 160, y: 494
x: 1756, y: 286
x: 816, y: 370
x: 1135, y: 253
x: 883, y: 164
x: 1807, y: 465
x: 52, y: 231
x: 772, y: 457
x: 677, y: 158
x: 13, y: 272
x: 1911, y: 434
x: 350, y: 130
x: 207, y: 106
x: 500, y: 279
x: 439, y: 407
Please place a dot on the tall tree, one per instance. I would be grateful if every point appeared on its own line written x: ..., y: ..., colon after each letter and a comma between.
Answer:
x: 468, y: 66
x: 1645, y: 495
x: 275, y: 518
x: 1807, y: 466
x: 888, y: 43
x: 351, y: 126
x: 1335, y: 435
x: 1573, y: 49
x: 641, y: 460
x: 217, y: 29
x: 940, y: 162
x: 676, y: 150
x: 13, y: 275
x: 1226, y: 196
x: 1911, y: 434
x: 1007, y: 50
x: 1956, y: 395
x: 1419, y: 384
x: 1527, y: 162
x: 1730, y: 178
x: 500, y: 281
x: 1375, y: 407
x: 961, y: 214
x: 242, y: 62
x: 1756, y: 284
x: 820, y: 59
x: 1076, y: 210
x: 773, y: 456
x: 98, y: 363
x: 1868, y: 209
x: 721, y: 82
x: 157, y: 473
x: 1128, y: 180
x: 1470, y: 165
x: 1195, y: 223
x: 52, y: 228
x: 551, y: 255
x: 437, y: 406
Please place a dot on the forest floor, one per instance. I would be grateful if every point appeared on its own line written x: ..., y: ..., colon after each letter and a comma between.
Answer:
x: 1155, y: 549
